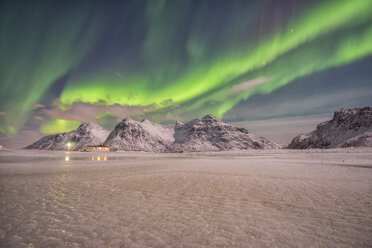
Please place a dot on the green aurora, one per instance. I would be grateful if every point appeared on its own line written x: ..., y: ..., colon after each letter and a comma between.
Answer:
x: 183, y: 61
x: 33, y: 55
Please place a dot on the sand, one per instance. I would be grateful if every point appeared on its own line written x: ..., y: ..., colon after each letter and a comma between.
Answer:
x: 276, y: 198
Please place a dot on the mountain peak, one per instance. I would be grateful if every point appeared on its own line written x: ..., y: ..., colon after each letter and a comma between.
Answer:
x: 129, y: 120
x: 86, y: 134
x: 348, y: 127
x: 88, y: 125
x: 178, y: 123
x: 210, y: 117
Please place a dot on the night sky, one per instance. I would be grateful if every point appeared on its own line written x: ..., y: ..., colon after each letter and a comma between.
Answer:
x: 67, y: 62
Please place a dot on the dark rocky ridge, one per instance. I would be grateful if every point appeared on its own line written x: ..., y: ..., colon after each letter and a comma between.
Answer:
x: 349, y: 127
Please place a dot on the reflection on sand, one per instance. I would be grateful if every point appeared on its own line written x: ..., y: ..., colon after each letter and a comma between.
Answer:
x: 93, y: 158
x: 98, y: 158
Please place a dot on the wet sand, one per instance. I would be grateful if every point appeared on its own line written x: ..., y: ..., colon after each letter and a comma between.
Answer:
x: 277, y: 198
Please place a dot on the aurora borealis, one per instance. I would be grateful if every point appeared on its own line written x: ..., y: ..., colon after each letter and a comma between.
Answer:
x: 65, y: 62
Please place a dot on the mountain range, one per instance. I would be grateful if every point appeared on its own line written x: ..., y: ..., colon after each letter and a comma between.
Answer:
x: 349, y: 127
x: 199, y: 135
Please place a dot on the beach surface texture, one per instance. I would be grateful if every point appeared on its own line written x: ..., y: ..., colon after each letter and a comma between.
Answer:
x: 254, y: 198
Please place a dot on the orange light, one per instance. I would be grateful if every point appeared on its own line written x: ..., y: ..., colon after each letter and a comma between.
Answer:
x: 93, y: 158
x: 351, y: 147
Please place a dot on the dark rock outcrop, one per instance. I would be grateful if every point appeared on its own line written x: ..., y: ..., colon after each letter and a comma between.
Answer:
x: 349, y: 127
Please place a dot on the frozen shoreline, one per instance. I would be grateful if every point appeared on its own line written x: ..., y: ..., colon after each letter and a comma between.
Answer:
x: 282, y: 198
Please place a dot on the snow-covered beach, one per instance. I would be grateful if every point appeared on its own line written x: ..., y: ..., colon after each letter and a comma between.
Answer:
x: 255, y: 198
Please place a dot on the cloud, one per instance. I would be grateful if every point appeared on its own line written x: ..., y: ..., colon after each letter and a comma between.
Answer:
x: 249, y: 84
x: 37, y: 106
x: 87, y: 112
x: 325, y: 102
x: 39, y: 118
x: 126, y: 111
x: 21, y: 140
x: 78, y: 111
x: 172, y: 117
x: 283, y: 130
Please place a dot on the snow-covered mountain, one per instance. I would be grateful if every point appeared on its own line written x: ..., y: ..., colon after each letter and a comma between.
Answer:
x: 86, y: 134
x: 199, y: 135
x: 130, y: 135
x: 349, y: 127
